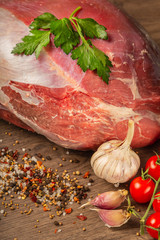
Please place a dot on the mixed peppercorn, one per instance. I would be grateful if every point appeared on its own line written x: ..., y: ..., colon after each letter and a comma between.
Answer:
x: 44, y: 186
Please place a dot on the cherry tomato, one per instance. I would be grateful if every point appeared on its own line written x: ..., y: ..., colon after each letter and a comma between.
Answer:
x: 156, y: 202
x: 153, y: 164
x: 153, y: 221
x: 141, y: 189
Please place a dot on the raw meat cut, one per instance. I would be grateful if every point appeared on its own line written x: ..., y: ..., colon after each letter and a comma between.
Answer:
x: 54, y: 97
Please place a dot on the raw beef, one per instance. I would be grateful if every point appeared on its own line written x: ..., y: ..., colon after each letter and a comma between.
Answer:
x: 54, y: 97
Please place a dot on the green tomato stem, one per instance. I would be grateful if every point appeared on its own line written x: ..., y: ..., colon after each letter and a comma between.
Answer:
x: 142, y: 174
x: 158, y: 159
x: 149, y: 176
x: 135, y: 213
x: 155, y: 230
x: 131, y: 209
x: 142, y: 221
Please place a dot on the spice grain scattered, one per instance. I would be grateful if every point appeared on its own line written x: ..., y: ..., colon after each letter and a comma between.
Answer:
x: 44, y: 186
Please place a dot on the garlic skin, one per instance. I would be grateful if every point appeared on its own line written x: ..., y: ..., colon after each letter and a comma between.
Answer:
x: 113, y: 218
x: 115, y: 161
x: 108, y: 200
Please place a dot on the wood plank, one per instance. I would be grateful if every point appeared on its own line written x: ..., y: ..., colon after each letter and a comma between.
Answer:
x: 21, y: 226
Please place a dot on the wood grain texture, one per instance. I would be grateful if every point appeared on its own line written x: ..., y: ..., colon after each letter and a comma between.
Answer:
x: 19, y: 226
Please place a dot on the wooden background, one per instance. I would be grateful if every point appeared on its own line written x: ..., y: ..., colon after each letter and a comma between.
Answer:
x: 16, y: 225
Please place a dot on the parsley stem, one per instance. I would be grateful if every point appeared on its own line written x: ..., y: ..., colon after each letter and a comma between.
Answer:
x: 76, y: 10
x: 79, y: 30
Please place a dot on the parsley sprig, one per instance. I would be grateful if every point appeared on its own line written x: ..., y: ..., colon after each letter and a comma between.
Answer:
x: 67, y: 35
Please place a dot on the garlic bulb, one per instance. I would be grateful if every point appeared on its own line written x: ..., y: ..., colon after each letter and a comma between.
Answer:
x: 115, y: 161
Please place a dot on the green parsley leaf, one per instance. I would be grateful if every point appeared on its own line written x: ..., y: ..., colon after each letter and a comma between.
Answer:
x: 91, y: 28
x: 90, y: 57
x: 34, y: 42
x: 65, y: 36
x: 43, y: 21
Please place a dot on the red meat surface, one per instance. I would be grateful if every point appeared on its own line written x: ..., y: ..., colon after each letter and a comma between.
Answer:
x: 54, y: 97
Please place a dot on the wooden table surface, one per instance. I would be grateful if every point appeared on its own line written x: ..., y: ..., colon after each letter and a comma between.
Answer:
x: 21, y: 226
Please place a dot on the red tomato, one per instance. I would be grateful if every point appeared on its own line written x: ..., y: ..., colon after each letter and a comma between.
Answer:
x: 153, y: 164
x: 141, y: 189
x: 153, y: 221
x: 156, y: 202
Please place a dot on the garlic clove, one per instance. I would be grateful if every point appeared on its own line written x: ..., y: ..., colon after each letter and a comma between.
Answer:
x: 108, y: 200
x: 113, y: 218
x: 115, y: 161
